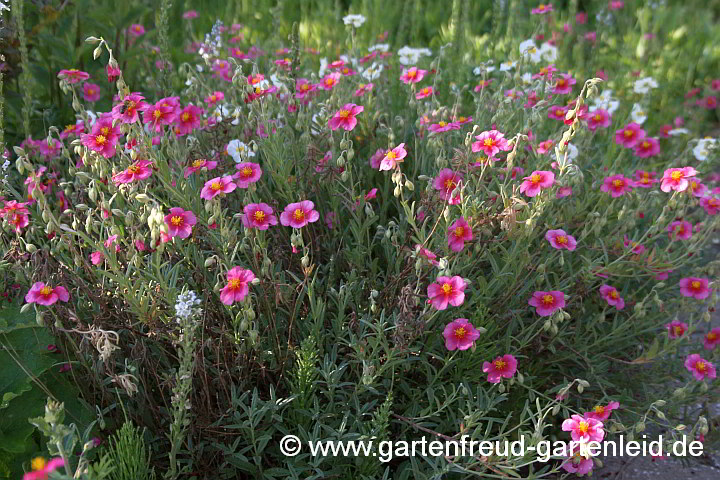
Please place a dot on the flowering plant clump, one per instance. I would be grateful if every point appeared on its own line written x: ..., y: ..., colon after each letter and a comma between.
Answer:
x: 229, y: 237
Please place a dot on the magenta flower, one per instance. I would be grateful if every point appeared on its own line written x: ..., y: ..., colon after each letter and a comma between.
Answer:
x: 112, y: 73
x: 602, y: 413
x: 443, y: 126
x: 46, y: 295
x: 247, y: 173
x: 180, y: 222
x: 345, y: 117
x: 711, y: 205
x: 644, y: 179
x: 190, y: 14
x: 41, y: 468
x: 697, y: 189
x: 299, y: 214
x: 427, y: 254
x: 91, y: 92
x: 412, y: 75
x: 680, y: 230
x: 73, y: 75
x: 563, y: 192
x: 636, y: 247
x: 712, y: 339
x: 329, y: 81
x: 647, y: 147
x: 502, y: 367
x: 460, y: 334
x: 188, y: 119
x: 559, y: 239
x: 215, y: 97
x: 578, y: 463
x: 363, y: 88
x: 699, y: 367
x: 629, y: 136
x: 136, y: 30
x: 216, y: 186
x: 237, y: 287
x: 103, y: 137
x: 676, y: 329
x: 446, y: 290
x: 612, y: 297
x: 542, y: 9
x: 695, y: 287
x: 616, y: 185
x: 446, y: 182
x: 584, y: 429
x: 547, y: 303
x: 459, y: 233
x: 491, y: 143
x: 393, y: 157
x: 199, y: 164
x: 557, y: 112
x: 599, y: 118
x: 563, y: 84
x: 536, y: 182
x: 258, y: 215
x: 424, y: 93
x: 303, y: 88
x: 139, y: 170
x: 127, y: 111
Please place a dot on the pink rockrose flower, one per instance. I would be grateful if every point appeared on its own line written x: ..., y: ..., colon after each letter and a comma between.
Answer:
x: 443, y: 126
x: 190, y: 14
x: 216, y: 186
x: 459, y: 233
x: 547, y: 303
x: 258, y: 215
x: 699, y: 367
x: 629, y: 136
x: 247, y: 173
x: 680, y: 230
x: 616, y: 185
x: 695, y: 287
x: 345, y: 117
x: 677, y: 179
x: 557, y: 112
x: 329, y: 81
x: 697, y: 189
x: 491, y: 143
x: 136, y: 30
x: 584, y: 429
x: 393, y: 157
x: 536, y: 182
x: 427, y: 254
x: 41, y: 468
x: 563, y: 84
x: 712, y: 339
x: 559, y: 239
x: 612, y: 297
x: 237, y: 287
x: 598, y: 118
x: 138, y: 170
x: 424, y: 93
x: 635, y: 246
x: 128, y: 110
x: 73, y: 75
x: 446, y: 290
x: 91, y: 92
x: 188, y: 119
x: 199, y: 164
x: 601, y: 412
x: 676, y: 329
x: 363, y: 88
x: 43, y: 294
x: 542, y: 9
x: 460, y: 334
x: 180, y: 222
x: 644, y: 179
x: 563, y: 192
x: 647, y: 147
x: 504, y: 366
x: 578, y: 463
x: 412, y: 75
x: 711, y: 205
x: 446, y: 182
x: 299, y: 214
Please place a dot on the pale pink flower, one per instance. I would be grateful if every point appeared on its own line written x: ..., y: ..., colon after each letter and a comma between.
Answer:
x: 43, y: 294
x: 393, y: 157
x: 601, y: 412
x: 446, y: 290
x: 216, y: 186
x: 412, y: 75
x: 459, y: 233
x: 584, y: 429
x: 677, y: 179
x: 559, y: 239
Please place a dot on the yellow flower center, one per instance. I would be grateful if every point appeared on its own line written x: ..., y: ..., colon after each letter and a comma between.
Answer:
x: 412, y: 74
x: 646, y: 144
x: 583, y: 427
x: 100, y: 139
x: 259, y: 216
x: 559, y: 113
x: 133, y: 169
x: 246, y: 172
x: 599, y: 409
x: 345, y: 70
x: 561, y: 239
x: 447, y: 288
x: 344, y: 113
x: 700, y: 366
x: 618, y: 183
x: 535, y: 179
x: 234, y: 283
x: 461, y: 119
x: 489, y: 142
x: 157, y: 114
x: 676, y: 175
x: 678, y: 330
x: 460, y: 332
x: 38, y: 463
x: 391, y: 155
x: 185, y: 117
x: 198, y: 163
x: 305, y: 87
x: 177, y: 221
x: 628, y: 133
x: 597, y: 117
x: 449, y: 184
x: 46, y: 290
x: 329, y: 82
x: 298, y: 214
x: 695, y: 285
x: 711, y: 336
x: 216, y: 186
x: 459, y: 231
x: 614, y: 294
x: 499, y: 364
x: 560, y: 82
x: 548, y: 299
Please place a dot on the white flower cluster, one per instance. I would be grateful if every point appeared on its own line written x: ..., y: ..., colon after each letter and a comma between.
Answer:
x: 411, y: 56
x: 185, y: 306
x: 546, y: 52
x: 643, y: 85
x: 605, y: 101
x: 703, y: 147
x: 354, y: 20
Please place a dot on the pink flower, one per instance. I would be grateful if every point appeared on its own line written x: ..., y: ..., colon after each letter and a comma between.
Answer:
x: 581, y: 18
x: 629, y: 136
x: 216, y: 186
x: 73, y: 76
x: 345, y: 117
x: 536, y: 182
x: 612, y: 297
x: 214, y: 98
x: 460, y: 334
x: 590, y: 37
x: 247, y: 173
x: 578, y: 463
x: 46, y: 295
x: 446, y: 182
x: 299, y: 214
x: 303, y: 88
x: 676, y: 329
x: 136, y: 30
x: 198, y: 164
x: 112, y: 73
x: 237, y: 287
x: 542, y: 9
x: 636, y: 247
x: 180, y: 222
x: 712, y: 339
x: 376, y: 158
x: 424, y: 252
x: 648, y: 147
x: 616, y: 185
x: 709, y: 103
x: 544, y: 147
x: 371, y: 195
x: 563, y: 84
x: 412, y: 75
x: 563, y: 192
x: 557, y: 112
x: 188, y: 119
x: 164, y: 112
x: 616, y: 4
x: 443, y: 126
x: 139, y: 170
x: 559, y: 239
x: 258, y: 215
x: 680, y: 230
x: 697, y: 189
x: 598, y: 118
x: 91, y: 92
x: 424, y: 93
x: 330, y: 219
x: 447, y: 290
x: 711, y: 205
x: 393, y: 157
x: 41, y: 469
x: 644, y: 179
x: 547, y: 303
x: 502, y: 367
x: 190, y: 14
x: 602, y: 413
x: 677, y: 179
x: 491, y: 143
x: 329, y: 81
x: 363, y: 88
x: 584, y: 429
x: 102, y: 138
x: 695, y: 287
x: 459, y: 233
x: 128, y: 110
x: 699, y: 367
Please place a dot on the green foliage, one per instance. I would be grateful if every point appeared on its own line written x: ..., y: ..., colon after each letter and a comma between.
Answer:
x: 128, y: 455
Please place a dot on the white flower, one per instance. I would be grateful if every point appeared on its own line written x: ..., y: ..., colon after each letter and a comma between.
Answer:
x: 275, y: 81
x: 221, y: 112
x: 93, y: 117
x: 3, y: 7
x: 239, y: 151
x: 507, y: 66
x: 410, y: 56
x: 483, y: 68
x: 643, y: 85
x: 185, y: 305
x: 323, y: 66
x: 526, y: 79
x: 605, y: 101
x: 703, y: 147
x: 572, y: 153
x: 373, y: 71
x: 355, y: 20
x: 548, y: 53
x: 236, y: 116
x: 380, y: 47
x: 638, y: 115
x: 529, y: 49
x: 199, y: 67
x: 678, y: 131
